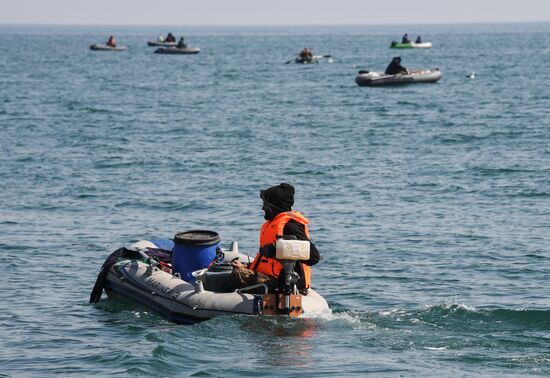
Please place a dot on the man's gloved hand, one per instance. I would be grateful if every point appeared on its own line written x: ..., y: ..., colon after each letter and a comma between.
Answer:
x: 268, y: 250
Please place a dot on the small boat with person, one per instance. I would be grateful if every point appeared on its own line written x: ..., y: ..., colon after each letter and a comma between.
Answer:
x: 306, y: 57
x: 407, y: 43
x: 104, y: 47
x: 410, y: 45
x: 110, y: 45
x: 376, y: 79
x: 180, y: 48
x: 161, y: 41
x: 188, y: 279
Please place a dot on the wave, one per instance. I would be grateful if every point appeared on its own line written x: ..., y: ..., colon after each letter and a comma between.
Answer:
x: 532, y: 193
x: 163, y: 205
x: 448, y: 315
x: 489, y: 171
x: 458, y: 138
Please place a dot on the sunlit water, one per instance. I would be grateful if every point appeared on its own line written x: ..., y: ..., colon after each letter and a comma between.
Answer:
x: 430, y: 203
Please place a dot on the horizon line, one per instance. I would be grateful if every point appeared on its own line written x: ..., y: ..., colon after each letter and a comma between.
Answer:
x: 279, y: 25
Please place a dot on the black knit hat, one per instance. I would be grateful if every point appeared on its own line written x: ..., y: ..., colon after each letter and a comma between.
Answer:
x: 280, y: 196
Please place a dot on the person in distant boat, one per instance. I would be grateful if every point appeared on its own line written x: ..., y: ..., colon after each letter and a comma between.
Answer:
x: 160, y: 38
x: 418, y: 39
x: 395, y: 67
x: 280, y: 220
x: 181, y: 44
x: 405, y: 38
x: 112, y: 41
x: 306, y: 54
x: 170, y: 38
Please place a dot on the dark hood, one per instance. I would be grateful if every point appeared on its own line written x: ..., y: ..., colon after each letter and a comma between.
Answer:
x: 277, y: 199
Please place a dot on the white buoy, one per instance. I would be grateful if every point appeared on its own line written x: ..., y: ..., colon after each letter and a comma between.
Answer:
x: 472, y: 75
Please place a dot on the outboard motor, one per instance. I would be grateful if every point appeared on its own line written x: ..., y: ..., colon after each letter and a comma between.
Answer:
x: 288, y: 252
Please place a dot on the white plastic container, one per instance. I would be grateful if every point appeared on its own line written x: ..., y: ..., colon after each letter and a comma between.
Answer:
x: 292, y: 249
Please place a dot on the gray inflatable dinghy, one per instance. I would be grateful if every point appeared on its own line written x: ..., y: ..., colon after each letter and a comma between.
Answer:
x: 374, y: 79
x: 175, y: 50
x: 103, y: 47
x: 161, y: 44
x: 138, y: 273
x: 314, y: 59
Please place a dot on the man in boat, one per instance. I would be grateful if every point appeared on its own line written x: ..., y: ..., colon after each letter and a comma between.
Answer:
x: 418, y: 39
x: 306, y: 54
x: 280, y: 220
x: 160, y: 38
x: 112, y: 41
x: 170, y: 38
x: 181, y: 44
x: 405, y: 39
x: 395, y: 67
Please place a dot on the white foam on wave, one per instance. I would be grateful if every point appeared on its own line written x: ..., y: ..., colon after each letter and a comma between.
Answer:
x: 354, y: 319
x: 437, y: 348
x: 324, y: 315
x: 452, y: 304
x: 392, y: 312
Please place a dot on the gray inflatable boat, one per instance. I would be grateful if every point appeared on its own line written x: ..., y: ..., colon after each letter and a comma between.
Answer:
x: 161, y: 44
x: 375, y: 79
x: 137, y: 273
x: 314, y: 59
x: 176, y: 50
x: 103, y: 47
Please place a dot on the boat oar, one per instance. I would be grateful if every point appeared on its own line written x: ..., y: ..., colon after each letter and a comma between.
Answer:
x: 293, y: 60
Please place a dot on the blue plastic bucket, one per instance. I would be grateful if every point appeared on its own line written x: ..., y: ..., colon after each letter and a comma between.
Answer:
x: 193, y: 250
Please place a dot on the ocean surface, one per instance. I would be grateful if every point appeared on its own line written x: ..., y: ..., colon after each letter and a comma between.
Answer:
x: 430, y: 203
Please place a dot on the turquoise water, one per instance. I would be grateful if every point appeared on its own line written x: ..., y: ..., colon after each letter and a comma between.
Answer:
x: 430, y: 203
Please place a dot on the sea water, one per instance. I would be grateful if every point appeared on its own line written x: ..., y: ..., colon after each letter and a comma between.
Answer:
x: 429, y: 203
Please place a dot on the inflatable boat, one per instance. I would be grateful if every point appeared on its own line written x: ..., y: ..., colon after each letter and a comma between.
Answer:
x: 374, y: 79
x: 176, y: 50
x: 411, y: 45
x: 103, y: 47
x: 312, y: 60
x: 161, y: 44
x: 147, y: 272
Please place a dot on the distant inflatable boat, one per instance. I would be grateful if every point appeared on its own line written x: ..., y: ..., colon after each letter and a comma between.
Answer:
x: 176, y: 50
x: 103, y: 47
x: 411, y: 45
x: 374, y: 79
x: 161, y: 44
x: 142, y: 273
x: 312, y: 60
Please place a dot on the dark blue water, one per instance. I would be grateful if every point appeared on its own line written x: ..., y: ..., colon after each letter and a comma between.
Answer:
x: 430, y: 203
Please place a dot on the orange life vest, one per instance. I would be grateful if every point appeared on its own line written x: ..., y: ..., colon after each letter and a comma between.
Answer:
x: 268, y: 235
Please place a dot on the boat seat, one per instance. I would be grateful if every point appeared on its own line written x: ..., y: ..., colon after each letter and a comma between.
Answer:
x: 216, y: 281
